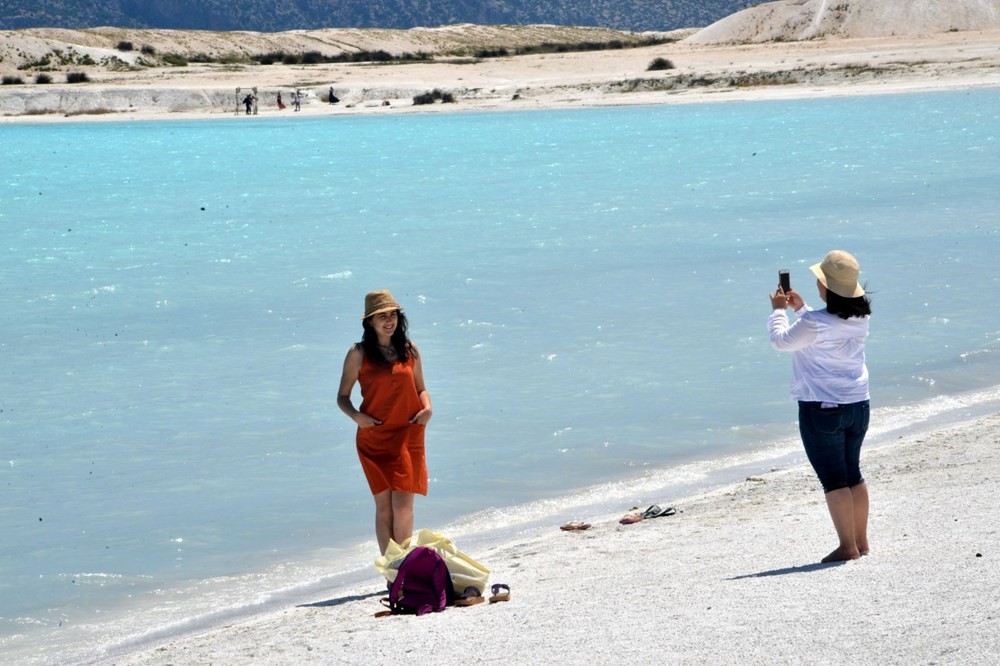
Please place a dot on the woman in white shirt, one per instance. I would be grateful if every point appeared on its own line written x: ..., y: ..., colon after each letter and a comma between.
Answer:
x: 830, y: 383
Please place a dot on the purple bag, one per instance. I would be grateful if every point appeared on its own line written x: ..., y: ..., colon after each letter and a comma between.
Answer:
x: 422, y: 584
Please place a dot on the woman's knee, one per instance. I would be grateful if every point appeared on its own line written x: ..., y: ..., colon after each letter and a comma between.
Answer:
x: 383, y: 503
x: 402, y: 501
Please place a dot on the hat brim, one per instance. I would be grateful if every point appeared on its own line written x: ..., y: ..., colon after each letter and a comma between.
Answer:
x: 384, y: 308
x: 844, y: 290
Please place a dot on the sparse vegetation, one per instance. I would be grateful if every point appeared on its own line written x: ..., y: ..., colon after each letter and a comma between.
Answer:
x: 43, y: 63
x: 175, y: 60
x: 316, y: 58
x: 11, y: 81
x: 659, y: 64
x: 42, y: 79
x: 125, y: 46
x: 147, y: 50
x: 233, y: 59
x: 499, y: 52
x: 100, y: 111
x: 115, y: 64
x: 435, y: 95
x: 77, y: 77
x: 46, y: 64
x: 568, y: 47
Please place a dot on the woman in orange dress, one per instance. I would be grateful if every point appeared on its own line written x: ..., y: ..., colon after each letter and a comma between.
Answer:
x: 395, y: 408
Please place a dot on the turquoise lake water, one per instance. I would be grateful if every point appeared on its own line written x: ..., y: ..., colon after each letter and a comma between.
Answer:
x: 588, y: 288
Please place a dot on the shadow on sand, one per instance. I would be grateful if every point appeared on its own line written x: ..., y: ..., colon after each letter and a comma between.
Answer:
x: 805, y: 568
x: 343, y: 600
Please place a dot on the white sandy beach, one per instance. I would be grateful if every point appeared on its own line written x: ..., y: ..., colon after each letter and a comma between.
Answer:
x: 732, y: 578
x: 702, y: 72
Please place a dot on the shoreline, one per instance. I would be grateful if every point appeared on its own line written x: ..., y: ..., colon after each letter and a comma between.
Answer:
x: 531, y: 546
x: 734, y: 571
x: 701, y: 73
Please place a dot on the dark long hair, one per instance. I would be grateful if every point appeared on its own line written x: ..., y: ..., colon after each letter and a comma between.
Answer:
x: 845, y: 308
x: 399, y: 341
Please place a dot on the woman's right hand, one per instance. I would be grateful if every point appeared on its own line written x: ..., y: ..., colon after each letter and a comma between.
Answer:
x: 779, y: 300
x: 365, y: 421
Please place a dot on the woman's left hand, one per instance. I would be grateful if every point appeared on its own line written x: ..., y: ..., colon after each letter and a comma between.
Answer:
x: 422, y: 417
x: 794, y: 300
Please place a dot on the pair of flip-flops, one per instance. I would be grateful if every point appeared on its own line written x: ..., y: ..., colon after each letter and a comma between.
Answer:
x: 655, y: 511
x: 471, y: 595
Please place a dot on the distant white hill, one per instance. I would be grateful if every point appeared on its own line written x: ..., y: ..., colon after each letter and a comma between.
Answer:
x: 794, y: 20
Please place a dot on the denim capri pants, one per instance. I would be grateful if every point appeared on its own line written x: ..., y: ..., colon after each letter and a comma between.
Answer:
x: 832, y: 436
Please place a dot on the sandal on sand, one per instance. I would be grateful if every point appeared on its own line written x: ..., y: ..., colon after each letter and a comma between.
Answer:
x: 470, y: 597
x: 575, y: 526
x: 655, y: 511
x: 501, y: 592
x: 384, y: 613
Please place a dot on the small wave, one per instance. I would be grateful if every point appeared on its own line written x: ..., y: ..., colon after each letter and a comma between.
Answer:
x: 107, y: 289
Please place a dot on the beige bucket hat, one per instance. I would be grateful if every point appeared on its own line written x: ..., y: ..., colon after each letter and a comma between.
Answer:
x: 839, y: 272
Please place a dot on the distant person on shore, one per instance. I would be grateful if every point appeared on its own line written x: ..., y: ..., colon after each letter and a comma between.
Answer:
x: 332, y: 99
x: 297, y: 100
x: 830, y: 383
x: 281, y: 104
x: 248, y: 103
x: 395, y: 408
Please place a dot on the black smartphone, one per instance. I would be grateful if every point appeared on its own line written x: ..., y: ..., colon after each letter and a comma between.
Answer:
x: 784, y: 280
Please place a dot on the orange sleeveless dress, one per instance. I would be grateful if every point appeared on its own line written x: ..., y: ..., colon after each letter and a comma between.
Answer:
x: 391, y: 454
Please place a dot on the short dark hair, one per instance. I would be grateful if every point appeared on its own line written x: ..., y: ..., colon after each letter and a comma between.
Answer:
x: 845, y: 308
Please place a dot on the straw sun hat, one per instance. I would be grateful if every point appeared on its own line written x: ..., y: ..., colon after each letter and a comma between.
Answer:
x: 839, y: 273
x: 379, y: 301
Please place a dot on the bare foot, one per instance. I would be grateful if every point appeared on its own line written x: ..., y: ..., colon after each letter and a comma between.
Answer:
x: 864, y: 548
x: 842, y: 554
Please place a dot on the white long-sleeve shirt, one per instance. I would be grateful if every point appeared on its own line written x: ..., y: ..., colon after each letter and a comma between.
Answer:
x: 828, y: 354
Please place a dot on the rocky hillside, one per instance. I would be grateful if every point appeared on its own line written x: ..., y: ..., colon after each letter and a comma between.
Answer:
x: 38, y: 50
x: 793, y: 20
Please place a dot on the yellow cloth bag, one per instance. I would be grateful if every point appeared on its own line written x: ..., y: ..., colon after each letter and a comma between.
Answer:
x: 465, y: 571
